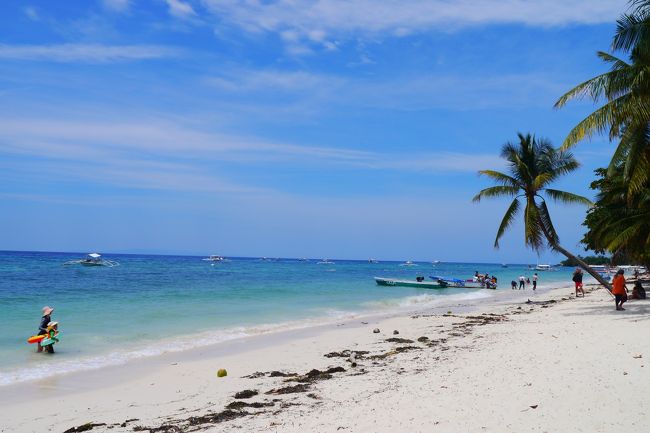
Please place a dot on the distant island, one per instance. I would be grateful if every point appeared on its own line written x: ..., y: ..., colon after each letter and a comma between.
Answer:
x: 590, y: 260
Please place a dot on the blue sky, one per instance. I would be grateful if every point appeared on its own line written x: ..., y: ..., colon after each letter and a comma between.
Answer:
x: 344, y: 129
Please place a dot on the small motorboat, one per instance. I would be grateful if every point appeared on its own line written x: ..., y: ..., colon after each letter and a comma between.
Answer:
x: 93, y: 259
x: 214, y: 258
x: 462, y: 284
x: 325, y: 262
x: 408, y: 263
x: 371, y: 260
x: 419, y: 283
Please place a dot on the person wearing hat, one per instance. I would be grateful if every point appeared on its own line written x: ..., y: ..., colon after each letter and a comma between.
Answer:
x: 619, y: 290
x: 45, y: 321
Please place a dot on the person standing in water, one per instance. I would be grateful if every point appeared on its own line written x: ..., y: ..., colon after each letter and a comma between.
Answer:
x: 535, y: 281
x: 45, y: 321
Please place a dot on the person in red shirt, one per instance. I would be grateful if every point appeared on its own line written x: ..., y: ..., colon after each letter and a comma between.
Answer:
x: 619, y: 290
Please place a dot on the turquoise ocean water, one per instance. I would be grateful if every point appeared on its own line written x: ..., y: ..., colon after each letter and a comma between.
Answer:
x: 153, y: 304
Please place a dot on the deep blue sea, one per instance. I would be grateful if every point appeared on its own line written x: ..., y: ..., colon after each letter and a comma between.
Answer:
x: 153, y: 304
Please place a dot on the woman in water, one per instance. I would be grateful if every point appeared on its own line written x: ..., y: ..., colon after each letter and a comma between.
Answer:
x: 42, y: 328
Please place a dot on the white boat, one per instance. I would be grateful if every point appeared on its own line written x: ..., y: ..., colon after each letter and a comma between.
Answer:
x: 408, y: 263
x: 435, y: 262
x: 325, y: 262
x: 544, y: 268
x: 373, y: 260
x: 214, y: 258
x: 93, y: 259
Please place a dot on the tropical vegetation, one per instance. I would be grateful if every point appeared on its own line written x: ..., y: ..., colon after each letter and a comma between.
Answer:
x: 533, y: 165
x: 618, y: 223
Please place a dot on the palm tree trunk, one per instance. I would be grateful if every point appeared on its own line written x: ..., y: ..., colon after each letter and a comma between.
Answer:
x: 556, y: 246
x: 583, y: 265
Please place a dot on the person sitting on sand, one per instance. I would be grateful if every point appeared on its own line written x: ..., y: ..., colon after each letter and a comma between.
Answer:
x: 619, y: 290
x: 638, y: 292
x: 577, y: 279
x: 45, y: 320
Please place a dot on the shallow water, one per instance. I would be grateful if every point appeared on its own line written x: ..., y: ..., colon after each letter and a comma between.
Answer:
x: 152, y: 304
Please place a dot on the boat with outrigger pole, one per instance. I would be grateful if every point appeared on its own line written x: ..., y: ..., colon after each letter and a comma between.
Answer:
x: 93, y: 259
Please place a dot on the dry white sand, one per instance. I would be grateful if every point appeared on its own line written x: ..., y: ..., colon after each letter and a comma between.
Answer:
x: 574, y: 365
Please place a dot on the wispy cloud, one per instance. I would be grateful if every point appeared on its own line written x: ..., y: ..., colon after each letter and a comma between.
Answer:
x: 158, y: 155
x: 32, y: 13
x: 405, y: 92
x: 116, y: 5
x: 344, y: 18
x: 180, y: 9
x: 92, y: 53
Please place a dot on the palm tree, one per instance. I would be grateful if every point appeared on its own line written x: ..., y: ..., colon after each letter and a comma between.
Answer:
x: 626, y: 90
x: 618, y: 223
x: 533, y: 165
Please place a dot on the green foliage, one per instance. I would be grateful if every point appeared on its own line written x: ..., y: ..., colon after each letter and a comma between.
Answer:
x: 532, y: 166
x: 625, y: 89
x: 590, y: 260
x: 619, y: 223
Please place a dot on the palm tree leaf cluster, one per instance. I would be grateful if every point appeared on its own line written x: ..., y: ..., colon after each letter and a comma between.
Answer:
x: 619, y: 221
x: 615, y: 226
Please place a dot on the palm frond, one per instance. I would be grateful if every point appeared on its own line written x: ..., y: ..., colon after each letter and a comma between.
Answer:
x: 547, y: 225
x: 567, y: 197
x: 500, y: 178
x: 496, y: 191
x: 507, y: 220
x: 532, y: 229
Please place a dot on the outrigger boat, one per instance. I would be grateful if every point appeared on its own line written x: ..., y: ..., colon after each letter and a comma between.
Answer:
x: 421, y: 284
x: 462, y: 284
x: 93, y: 259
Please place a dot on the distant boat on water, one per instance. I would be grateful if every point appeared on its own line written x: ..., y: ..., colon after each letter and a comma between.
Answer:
x: 214, y: 258
x: 544, y: 268
x: 503, y: 265
x: 93, y: 259
x: 408, y: 263
x: 373, y: 260
x: 325, y: 262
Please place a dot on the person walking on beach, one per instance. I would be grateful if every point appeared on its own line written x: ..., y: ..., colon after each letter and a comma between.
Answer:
x: 45, y: 321
x: 619, y: 290
x: 577, y: 279
x: 522, y: 282
x: 535, y: 281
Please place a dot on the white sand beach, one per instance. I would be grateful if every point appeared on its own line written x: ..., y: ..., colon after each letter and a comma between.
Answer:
x: 559, y: 364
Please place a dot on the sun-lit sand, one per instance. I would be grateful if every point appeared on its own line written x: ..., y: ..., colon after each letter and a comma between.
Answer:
x: 568, y: 365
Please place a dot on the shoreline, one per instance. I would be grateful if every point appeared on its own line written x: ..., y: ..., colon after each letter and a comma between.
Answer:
x: 140, y: 354
x: 169, y: 388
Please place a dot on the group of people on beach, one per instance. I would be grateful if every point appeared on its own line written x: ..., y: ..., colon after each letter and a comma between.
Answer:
x: 490, y: 282
x: 523, y: 280
x: 619, y: 287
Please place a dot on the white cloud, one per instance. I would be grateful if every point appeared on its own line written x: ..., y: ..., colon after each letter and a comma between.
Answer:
x: 32, y: 13
x: 117, y: 5
x: 93, y: 53
x: 319, y: 22
x: 180, y: 10
x: 162, y: 155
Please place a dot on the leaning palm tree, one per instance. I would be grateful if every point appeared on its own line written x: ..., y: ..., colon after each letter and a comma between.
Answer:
x: 533, y: 165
